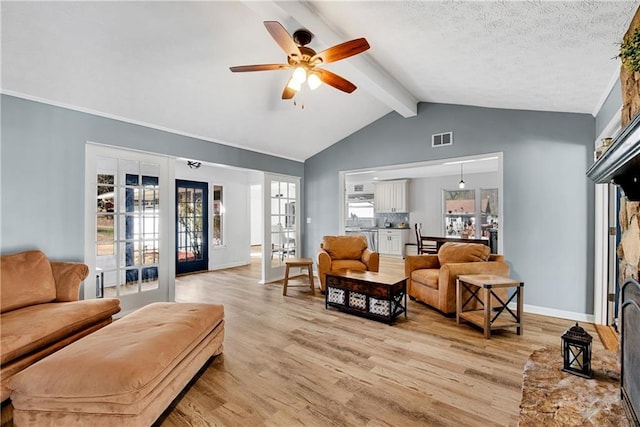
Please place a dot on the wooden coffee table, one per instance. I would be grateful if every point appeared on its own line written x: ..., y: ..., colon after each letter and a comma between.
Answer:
x: 377, y: 296
x: 489, y: 318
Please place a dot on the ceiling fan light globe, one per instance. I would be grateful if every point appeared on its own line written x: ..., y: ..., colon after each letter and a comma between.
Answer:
x: 299, y: 75
x: 314, y: 81
x: 294, y: 85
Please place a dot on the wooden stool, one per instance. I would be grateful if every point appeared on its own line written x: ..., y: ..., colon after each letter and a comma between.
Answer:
x: 298, y: 262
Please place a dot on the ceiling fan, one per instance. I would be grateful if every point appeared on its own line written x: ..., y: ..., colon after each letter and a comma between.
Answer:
x: 305, y: 61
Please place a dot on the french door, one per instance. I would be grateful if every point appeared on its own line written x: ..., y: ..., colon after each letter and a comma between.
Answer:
x: 192, y: 219
x: 282, y: 219
x: 127, y: 226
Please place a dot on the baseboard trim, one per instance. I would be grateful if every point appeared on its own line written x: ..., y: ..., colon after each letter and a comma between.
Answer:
x: 552, y: 312
x: 230, y: 265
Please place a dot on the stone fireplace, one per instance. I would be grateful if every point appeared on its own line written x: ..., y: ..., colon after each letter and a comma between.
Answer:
x: 620, y: 164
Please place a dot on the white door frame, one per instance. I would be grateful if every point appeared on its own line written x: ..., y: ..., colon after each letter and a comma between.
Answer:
x: 166, y: 274
x: 604, y: 260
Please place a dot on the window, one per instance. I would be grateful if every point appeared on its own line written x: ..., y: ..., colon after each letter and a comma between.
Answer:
x: 360, y: 209
x: 460, y: 213
x: 218, y: 215
x: 462, y: 216
x: 489, y: 210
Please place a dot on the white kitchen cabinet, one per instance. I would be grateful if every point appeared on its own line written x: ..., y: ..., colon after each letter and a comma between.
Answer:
x: 392, y: 196
x: 392, y: 241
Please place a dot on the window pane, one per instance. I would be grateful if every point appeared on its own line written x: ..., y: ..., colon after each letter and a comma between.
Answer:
x: 275, y: 189
x: 489, y: 209
x: 459, y: 215
x: 130, y: 283
x: 150, y: 253
x: 218, y: 215
x: 150, y: 180
x: 105, y: 198
x: 131, y: 179
x: 108, y: 179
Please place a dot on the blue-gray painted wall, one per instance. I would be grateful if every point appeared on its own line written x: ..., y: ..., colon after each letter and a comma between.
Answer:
x: 611, y: 107
x: 42, y: 170
x: 548, y: 201
x: 548, y: 217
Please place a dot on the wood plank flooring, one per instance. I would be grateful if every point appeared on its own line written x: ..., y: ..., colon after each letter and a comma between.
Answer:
x: 288, y: 361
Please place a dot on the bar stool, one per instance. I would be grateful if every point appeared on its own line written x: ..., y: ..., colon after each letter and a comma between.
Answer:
x: 298, y: 262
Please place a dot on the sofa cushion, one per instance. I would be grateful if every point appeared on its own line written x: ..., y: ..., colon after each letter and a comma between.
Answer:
x: 348, y: 264
x: 428, y: 277
x: 344, y: 247
x: 463, y: 252
x: 119, y: 365
x: 48, y: 323
x: 25, y: 279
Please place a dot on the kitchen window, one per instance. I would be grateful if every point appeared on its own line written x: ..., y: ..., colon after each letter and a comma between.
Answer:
x: 360, y: 206
x: 360, y: 209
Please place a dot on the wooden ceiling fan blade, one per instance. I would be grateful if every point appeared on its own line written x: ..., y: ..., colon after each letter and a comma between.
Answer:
x: 282, y: 37
x: 259, y: 67
x: 342, y: 51
x: 288, y: 93
x: 335, y: 80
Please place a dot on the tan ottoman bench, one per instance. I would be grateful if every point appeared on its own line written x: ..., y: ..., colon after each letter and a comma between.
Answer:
x: 125, y: 374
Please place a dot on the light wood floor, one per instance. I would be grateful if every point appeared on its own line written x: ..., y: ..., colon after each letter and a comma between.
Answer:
x: 288, y: 361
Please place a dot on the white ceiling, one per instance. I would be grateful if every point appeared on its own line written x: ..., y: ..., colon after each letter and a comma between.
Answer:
x: 166, y: 64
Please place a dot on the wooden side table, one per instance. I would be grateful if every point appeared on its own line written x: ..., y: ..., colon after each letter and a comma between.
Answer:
x: 298, y: 262
x: 488, y: 317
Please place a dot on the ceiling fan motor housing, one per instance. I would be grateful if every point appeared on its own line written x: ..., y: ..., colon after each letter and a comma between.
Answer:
x: 302, y: 36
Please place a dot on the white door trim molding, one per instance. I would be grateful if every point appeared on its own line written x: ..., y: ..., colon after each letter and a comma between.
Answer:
x: 602, y: 256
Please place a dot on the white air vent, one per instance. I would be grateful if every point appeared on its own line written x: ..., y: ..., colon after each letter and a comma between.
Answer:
x: 358, y: 188
x: 442, y: 139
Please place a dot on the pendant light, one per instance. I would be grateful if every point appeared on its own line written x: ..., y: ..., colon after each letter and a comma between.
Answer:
x: 461, y: 183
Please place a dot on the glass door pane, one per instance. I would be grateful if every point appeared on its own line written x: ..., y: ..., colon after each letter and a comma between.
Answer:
x: 126, y: 226
x: 192, y: 253
x: 282, y: 217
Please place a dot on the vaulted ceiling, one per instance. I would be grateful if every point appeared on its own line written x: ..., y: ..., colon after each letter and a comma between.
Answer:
x: 166, y: 64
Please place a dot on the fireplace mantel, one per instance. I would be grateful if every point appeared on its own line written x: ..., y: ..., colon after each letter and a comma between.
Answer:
x: 620, y: 163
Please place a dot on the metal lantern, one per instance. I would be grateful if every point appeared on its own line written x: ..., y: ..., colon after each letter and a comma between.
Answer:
x: 576, y: 351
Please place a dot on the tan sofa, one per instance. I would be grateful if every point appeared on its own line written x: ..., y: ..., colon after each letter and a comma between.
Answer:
x: 432, y: 278
x: 345, y: 253
x: 40, y: 310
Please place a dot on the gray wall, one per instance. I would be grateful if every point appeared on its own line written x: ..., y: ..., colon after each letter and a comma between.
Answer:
x: 548, y: 201
x: 611, y: 106
x: 42, y: 170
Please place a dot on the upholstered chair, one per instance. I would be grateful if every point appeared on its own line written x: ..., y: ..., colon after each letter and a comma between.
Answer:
x: 345, y: 253
x: 431, y: 279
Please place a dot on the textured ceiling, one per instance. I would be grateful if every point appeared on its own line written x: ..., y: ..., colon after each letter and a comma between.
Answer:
x: 166, y: 64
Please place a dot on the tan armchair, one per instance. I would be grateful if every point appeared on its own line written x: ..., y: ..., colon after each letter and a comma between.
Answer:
x: 432, y: 278
x: 345, y: 253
